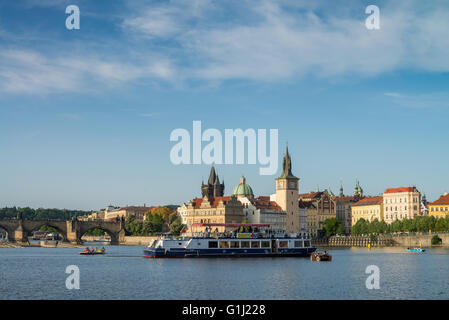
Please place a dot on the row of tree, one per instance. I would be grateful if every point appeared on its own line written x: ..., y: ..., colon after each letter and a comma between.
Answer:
x: 41, y: 214
x: 418, y: 224
x: 333, y: 226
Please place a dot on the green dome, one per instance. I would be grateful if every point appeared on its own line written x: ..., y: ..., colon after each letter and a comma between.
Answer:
x: 242, y: 189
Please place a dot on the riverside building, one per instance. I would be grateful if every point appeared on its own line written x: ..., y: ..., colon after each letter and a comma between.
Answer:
x: 440, y: 207
x: 401, y: 203
x: 369, y: 208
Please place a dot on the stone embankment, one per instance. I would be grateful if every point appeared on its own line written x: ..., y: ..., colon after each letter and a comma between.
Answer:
x: 393, y: 240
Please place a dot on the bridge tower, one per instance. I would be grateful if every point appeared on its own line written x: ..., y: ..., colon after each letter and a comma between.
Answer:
x: 72, y: 231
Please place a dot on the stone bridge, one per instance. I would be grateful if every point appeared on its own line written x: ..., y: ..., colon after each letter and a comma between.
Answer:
x: 19, y: 229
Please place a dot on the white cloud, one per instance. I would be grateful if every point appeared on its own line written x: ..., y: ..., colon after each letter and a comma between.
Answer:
x: 250, y: 40
x: 27, y: 71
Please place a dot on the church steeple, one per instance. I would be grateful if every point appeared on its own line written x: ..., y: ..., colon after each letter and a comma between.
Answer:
x: 358, y: 191
x: 287, y: 166
x: 341, y: 189
x: 213, y: 188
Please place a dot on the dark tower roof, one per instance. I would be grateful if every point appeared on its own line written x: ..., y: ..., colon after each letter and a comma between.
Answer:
x: 213, y: 188
x: 212, y: 176
x: 287, y: 166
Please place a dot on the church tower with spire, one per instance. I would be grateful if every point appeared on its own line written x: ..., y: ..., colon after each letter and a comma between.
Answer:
x: 287, y: 195
x: 213, y: 188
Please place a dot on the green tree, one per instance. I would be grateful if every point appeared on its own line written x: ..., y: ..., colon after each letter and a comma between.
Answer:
x: 132, y: 226
x: 396, y: 226
x: 95, y: 232
x: 341, y: 230
x: 48, y: 229
x: 331, y: 226
x: 440, y: 225
x: 176, y: 226
x: 164, y: 212
x: 157, y: 221
x: 147, y: 228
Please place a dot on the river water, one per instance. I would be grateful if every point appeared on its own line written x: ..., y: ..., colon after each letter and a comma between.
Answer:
x: 123, y: 273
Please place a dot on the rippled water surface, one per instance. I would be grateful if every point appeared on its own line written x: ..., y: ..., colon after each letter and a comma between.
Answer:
x: 39, y: 273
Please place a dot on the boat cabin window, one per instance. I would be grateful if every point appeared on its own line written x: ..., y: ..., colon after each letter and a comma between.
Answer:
x: 306, y: 243
x: 244, y: 244
x: 265, y: 244
x: 255, y: 244
x: 224, y: 244
x: 283, y: 244
x: 298, y: 244
x: 235, y: 244
x: 213, y: 244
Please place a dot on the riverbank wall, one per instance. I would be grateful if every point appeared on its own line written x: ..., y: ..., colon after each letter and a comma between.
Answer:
x: 137, y: 241
x: 127, y: 241
x: 397, y: 240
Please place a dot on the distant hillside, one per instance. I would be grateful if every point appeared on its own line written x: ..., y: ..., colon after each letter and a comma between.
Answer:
x: 172, y: 206
x: 42, y: 214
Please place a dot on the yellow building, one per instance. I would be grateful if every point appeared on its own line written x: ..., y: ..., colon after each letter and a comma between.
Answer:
x: 370, y: 208
x: 439, y: 208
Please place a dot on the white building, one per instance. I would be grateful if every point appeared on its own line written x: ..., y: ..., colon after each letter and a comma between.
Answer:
x: 401, y: 203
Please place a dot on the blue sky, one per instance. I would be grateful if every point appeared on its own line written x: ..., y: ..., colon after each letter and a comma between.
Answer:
x: 86, y: 115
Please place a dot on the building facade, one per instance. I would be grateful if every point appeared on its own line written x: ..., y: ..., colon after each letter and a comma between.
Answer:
x: 343, y: 210
x: 440, y: 207
x: 401, y: 203
x: 138, y: 212
x: 320, y: 206
x: 217, y: 210
x: 369, y: 209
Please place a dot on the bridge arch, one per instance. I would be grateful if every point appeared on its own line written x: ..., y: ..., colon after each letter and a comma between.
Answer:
x: 108, y: 232
x: 9, y: 230
x: 39, y: 224
x: 112, y: 229
x: 4, y: 234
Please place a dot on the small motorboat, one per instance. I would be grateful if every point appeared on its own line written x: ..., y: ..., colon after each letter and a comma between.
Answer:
x: 415, y: 250
x: 100, y: 251
x: 87, y: 251
x: 321, y: 256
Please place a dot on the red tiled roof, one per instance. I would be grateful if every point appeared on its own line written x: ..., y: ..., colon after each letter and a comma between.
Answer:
x: 443, y: 200
x: 264, y: 202
x: 305, y: 204
x: 310, y: 195
x: 369, y: 201
x: 346, y: 198
x: 403, y: 189
x: 135, y: 208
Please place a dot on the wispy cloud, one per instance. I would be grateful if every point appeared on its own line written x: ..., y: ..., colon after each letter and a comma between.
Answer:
x: 27, y: 71
x: 437, y: 100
